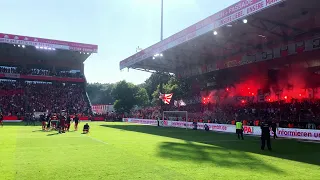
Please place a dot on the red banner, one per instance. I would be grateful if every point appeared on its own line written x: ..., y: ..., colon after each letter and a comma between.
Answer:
x: 10, y: 118
x: 98, y: 118
x: 84, y: 118
x: 14, y: 76
x: 10, y: 92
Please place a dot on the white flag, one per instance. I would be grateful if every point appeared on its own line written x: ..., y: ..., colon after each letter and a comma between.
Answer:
x: 182, y: 103
x: 179, y: 103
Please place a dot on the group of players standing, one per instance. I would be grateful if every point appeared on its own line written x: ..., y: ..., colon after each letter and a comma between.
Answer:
x: 59, y: 122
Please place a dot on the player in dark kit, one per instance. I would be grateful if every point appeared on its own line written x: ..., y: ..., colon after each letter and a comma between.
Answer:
x: 86, y: 128
x: 1, y: 120
x: 43, y: 121
x: 48, y: 119
x: 76, y: 122
x: 68, y: 123
x: 62, y: 124
x: 265, y: 135
x: 274, y: 129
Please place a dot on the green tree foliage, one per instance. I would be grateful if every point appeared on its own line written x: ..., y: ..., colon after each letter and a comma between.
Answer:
x: 100, y: 93
x: 142, y: 97
x: 128, y: 95
x: 177, y: 87
x: 151, y: 84
x: 155, y: 96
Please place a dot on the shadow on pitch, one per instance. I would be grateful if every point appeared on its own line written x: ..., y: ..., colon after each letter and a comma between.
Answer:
x: 214, y: 155
x: 282, y: 148
x: 40, y: 130
x: 53, y: 134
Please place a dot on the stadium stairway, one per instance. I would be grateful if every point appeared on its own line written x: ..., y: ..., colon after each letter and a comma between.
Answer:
x: 88, y: 101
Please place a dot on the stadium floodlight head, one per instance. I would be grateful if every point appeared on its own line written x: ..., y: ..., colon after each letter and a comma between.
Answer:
x: 45, y: 48
x: 23, y: 46
x: 80, y: 52
x: 49, y: 48
x: 19, y: 45
x: 245, y: 21
x: 229, y: 25
x: 14, y: 45
x: 37, y: 47
x: 53, y: 49
x: 41, y: 47
x: 215, y: 33
x: 157, y: 55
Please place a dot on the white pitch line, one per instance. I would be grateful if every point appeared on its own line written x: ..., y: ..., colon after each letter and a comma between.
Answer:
x: 98, y: 140
x: 308, y: 141
x: 224, y: 141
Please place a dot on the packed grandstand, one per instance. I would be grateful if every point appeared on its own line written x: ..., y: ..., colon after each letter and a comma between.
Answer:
x: 42, y: 76
x: 253, y: 65
x: 245, y: 70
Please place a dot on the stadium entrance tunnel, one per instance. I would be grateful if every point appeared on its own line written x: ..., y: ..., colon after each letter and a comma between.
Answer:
x: 216, y: 143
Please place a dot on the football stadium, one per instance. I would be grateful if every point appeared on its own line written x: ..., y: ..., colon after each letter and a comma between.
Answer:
x: 253, y: 112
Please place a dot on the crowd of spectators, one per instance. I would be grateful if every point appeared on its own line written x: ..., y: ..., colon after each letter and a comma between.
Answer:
x: 10, y: 103
x: 303, y: 114
x: 40, y: 72
x: 20, y: 97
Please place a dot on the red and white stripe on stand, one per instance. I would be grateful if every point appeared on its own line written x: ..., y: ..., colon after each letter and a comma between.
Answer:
x: 103, y: 109
x: 47, y: 43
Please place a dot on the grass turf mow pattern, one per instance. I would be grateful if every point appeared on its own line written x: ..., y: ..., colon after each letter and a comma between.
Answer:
x: 130, y: 151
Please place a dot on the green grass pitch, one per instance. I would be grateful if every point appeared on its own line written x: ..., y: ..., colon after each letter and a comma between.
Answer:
x: 129, y: 151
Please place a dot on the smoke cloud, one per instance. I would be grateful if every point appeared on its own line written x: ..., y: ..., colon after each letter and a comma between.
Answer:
x: 290, y: 82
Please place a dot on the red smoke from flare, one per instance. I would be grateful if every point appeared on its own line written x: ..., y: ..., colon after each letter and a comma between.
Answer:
x: 291, y: 84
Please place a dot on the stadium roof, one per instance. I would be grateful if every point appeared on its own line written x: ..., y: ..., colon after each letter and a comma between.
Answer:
x: 37, y: 47
x: 246, y: 27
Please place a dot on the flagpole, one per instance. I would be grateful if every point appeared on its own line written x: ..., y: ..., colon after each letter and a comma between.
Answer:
x: 161, y: 38
x: 161, y: 33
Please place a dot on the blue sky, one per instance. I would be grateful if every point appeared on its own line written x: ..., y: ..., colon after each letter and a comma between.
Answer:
x: 116, y: 26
